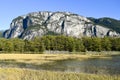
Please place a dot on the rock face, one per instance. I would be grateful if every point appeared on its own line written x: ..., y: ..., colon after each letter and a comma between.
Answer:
x: 55, y: 23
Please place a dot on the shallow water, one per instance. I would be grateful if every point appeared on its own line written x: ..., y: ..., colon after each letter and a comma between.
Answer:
x: 92, y: 65
x: 95, y: 66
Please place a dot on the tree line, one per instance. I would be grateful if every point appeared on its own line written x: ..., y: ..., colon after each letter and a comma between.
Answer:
x: 61, y: 43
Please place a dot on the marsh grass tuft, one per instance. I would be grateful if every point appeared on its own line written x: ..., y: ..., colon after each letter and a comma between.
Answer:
x: 26, y: 74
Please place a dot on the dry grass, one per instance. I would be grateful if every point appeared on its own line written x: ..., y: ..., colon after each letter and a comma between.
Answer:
x: 16, y: 73
x: 46, y: 58
x: 40, y: 58
x: 25, y: 74
x: 49, y: 56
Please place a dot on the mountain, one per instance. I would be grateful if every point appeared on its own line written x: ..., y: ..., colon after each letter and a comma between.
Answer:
x: 55, y: 23
x: 107, y: 22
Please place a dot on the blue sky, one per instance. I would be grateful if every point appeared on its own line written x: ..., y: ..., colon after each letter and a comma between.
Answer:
x: 9, y: 9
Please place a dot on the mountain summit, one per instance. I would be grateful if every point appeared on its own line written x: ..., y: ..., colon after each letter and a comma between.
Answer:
x: 55, y: 23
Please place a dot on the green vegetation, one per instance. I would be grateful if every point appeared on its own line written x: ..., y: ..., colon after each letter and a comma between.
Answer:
x: 1, y: 34
x: 107, y: 22
x: 60, y: 43
x: 52, y: 33
x: 36, y: 27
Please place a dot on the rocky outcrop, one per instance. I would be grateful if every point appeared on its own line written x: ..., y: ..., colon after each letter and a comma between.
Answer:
x: 55, y: 23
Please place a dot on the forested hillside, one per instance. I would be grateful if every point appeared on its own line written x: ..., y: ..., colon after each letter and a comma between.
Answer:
x: 107, y: 22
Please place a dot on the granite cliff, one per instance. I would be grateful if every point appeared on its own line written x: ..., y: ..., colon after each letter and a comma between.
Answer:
x: 55, y: 23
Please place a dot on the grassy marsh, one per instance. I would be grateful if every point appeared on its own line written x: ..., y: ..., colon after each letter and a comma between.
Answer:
x: 59, y: 67
x: 25, y: 74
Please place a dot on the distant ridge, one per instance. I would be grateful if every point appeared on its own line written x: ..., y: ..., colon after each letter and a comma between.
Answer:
x: 107, y: 22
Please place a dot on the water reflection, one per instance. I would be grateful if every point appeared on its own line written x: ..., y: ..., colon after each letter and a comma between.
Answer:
x: 95, y: 66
